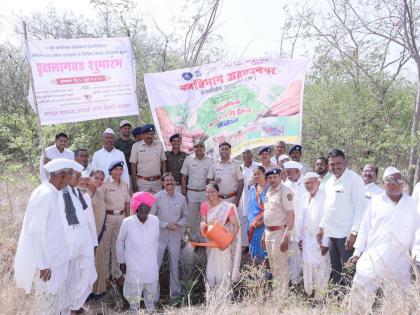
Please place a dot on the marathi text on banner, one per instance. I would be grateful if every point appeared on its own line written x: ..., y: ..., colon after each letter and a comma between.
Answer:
x: 249, y: 103
x: 82, y: 79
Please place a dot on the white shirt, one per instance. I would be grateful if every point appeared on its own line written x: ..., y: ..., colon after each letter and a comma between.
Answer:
x: 90, y: 217
x: 312, y: 212
x: 247, y: 173
x: 299, y: 192
x: 78, y: 236
x: 344, y: 204
x: 416, y: 193
x: 372, y: 190
x: 41, y: 242
x: 386, y: 236
x: 137, y: 247
x: 102, y: 159
x: 52, y: 153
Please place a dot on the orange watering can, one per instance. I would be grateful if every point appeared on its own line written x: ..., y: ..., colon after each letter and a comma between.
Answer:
x: 218, y: 236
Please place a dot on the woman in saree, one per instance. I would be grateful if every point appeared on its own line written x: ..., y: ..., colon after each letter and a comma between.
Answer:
x: 99, y: 211
x: 256, y: 196
x: 222, y: 263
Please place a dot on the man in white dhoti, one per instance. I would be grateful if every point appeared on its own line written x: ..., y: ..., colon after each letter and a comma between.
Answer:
x: 386, y: 236
x: 137, y: 252
x: 41, y: 256
x: 81, y: 273
x: 295, y: 183
x: 316, y: 264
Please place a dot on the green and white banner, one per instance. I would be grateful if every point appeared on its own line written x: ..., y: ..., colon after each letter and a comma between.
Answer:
x: 249, y: 103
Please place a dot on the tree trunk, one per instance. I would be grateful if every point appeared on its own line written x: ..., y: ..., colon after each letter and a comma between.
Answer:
x: 413, y: 151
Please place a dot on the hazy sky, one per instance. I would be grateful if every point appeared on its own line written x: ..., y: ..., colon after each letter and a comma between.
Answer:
x: 249, y: 28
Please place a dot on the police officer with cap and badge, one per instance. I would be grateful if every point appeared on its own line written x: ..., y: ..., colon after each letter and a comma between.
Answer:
x: 279, y: 218
x: 295, y: 154
x: 265, y: 156
x: 228, y: 175
x: 174, y: 159
x: 148, y: 162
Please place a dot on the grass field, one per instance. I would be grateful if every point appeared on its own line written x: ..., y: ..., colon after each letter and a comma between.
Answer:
x: 251, y: 298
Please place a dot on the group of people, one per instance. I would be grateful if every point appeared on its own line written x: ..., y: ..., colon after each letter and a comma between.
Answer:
x: 112, y: 219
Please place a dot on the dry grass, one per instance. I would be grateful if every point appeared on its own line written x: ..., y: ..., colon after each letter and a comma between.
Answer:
x: 252, y: 297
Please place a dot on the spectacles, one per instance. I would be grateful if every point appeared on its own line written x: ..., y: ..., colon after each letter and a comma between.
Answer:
x: 393, y: 180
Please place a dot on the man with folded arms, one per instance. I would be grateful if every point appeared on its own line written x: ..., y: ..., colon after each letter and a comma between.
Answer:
x: 193, y: 185
x: 228, y: 175
x: 42, y: 257
x: 148, y: 162
x: 387, y: 234
x: 279, y: 219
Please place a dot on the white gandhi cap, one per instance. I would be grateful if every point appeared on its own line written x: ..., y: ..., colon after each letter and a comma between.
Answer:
x: 77, y: 167
x: 390, y: 170
x: 58, y: 164
x: 292, y: 164
x: 109, y: 130
x: 311, y: 175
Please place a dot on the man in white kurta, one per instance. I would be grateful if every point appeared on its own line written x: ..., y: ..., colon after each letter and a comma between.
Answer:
x: 137, y: 252
x: 81, y: 273
x: 369, y: 175
x: 42, y: 255
x: 316, y: 264
x: 296, y: 184
x: 386, y: 236
x: 56, y: 151
x: 104, y: 157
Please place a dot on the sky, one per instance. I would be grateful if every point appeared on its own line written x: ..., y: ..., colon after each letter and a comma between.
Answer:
x: 249, y: 28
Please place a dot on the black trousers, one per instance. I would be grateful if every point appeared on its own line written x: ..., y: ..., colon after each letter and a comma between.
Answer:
x: 339, y: 257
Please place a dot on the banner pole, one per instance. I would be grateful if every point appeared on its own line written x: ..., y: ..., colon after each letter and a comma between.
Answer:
x: 32, y: 86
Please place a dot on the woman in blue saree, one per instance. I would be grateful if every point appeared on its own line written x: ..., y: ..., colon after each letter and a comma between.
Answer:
x: 256, y: 196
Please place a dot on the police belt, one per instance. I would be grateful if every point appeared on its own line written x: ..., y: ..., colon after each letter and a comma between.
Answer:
x: 275, y: 228
x: 149, y: 178
x: 115, y: 212
x: 227, y: 196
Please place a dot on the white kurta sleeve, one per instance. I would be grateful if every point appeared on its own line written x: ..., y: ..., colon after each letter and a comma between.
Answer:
x: 363, y: 234
x: 359, y: 202
x: 120, y: 244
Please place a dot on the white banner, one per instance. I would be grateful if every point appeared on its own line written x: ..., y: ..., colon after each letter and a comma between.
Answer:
x: 82, y: 79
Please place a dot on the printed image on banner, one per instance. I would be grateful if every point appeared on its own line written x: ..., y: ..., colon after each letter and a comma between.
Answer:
x: 82, y: 79
x: 249, y: 103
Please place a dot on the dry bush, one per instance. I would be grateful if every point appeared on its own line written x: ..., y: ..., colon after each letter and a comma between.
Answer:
x: 251, y: 295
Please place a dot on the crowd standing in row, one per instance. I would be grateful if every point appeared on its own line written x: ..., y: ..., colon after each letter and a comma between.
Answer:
x: 113, y: 219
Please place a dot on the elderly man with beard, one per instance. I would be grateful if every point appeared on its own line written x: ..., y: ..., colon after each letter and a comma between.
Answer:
x: 171, y: 209
x: 386, y: 236
x: 80, y: 242
x: 41, y: 257
x: 369, y: 175
x: 193, y: 184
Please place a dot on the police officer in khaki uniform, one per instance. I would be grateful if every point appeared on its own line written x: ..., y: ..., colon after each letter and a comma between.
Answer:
x: 174, y: 159
x: 148, y: 162
x: 228, y: 175
x: 117, y: 205
x: 193, y: 185
x: 265, y: 157
x: 278, y: 219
